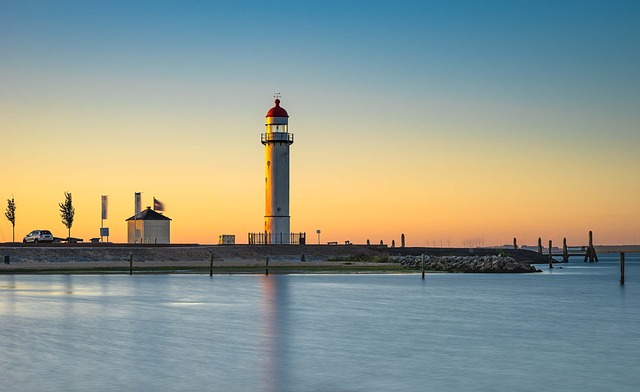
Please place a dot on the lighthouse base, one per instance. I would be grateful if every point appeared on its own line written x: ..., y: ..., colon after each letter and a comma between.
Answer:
x: 277, y: 229
x: 273, y: 239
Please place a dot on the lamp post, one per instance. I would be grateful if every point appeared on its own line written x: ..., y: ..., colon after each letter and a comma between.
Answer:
x: 318, y: 232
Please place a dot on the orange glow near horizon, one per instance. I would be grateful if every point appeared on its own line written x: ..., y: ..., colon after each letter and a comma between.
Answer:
x: 431, y: 195
x: 477, y: 125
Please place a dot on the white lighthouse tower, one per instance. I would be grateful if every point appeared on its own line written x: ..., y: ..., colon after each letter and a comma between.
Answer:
x: 277, y: 140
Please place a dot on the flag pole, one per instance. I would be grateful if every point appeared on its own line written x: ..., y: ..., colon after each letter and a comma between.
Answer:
x: 103, y: 215
x: 137, y: 209
x: 135, y: 213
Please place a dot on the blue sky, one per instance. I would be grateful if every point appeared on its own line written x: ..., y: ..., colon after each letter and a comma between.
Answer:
x: 455, y: 93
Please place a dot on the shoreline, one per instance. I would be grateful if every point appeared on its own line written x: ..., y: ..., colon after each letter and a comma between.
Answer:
x: 228, y: 259
x: 146, y: 268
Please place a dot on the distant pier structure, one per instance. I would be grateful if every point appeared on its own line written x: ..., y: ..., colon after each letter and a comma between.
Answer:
x: 277, y: 139
x: 589, y: 251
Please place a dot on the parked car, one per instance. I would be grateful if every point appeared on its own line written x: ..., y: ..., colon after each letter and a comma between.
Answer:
x: 38, y: 236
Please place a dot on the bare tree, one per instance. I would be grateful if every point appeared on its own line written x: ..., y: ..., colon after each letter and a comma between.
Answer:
x: 11, y: 216
x: 67, y: 212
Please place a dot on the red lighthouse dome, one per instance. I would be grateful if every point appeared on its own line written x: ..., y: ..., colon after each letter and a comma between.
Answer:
x: 277, y: 111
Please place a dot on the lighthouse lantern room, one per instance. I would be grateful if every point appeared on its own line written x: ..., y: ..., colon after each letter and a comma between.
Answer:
x: 277, y: 139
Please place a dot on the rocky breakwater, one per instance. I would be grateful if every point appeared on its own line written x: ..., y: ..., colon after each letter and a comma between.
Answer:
x: 479, y: 264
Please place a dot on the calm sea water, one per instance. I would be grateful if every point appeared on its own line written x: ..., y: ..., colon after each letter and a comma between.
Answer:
x: 572, y: 329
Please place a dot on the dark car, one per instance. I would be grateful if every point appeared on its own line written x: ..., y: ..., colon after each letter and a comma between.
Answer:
x: 38, y: 236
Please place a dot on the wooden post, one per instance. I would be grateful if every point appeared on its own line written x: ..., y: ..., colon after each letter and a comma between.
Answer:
x: 211, y: 265
x: 565, y: 251
x: 266, y: 267
x: 622, y: 268
x: 393, y: 243
x: 550, y: 257
x: 515, y: 243
x: 590, y: 254
x: 539, y: 245
x: 422, y: 266
x: 402, y: 240
x: 593, y: 257
x: 130, y: 263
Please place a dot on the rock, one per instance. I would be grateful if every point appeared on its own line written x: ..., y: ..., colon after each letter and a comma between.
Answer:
x: 485, y: 264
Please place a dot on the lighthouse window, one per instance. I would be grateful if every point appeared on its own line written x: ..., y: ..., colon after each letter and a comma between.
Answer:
x: 277, y: 128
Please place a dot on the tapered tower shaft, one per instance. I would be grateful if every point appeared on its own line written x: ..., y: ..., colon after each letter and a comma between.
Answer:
x: 277, y: 140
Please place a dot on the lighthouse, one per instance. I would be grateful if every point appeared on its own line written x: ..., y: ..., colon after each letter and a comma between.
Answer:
x: 277, y: 139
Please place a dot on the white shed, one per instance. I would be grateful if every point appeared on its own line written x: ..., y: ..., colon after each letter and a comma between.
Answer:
x: 148, y: 227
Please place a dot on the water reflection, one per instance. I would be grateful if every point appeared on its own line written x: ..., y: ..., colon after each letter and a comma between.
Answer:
x: 322, y: 332
x: 275, y: 333
x: 8, y: 291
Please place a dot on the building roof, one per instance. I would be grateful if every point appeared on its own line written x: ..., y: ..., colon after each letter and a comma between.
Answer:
x: 148, y: 214
x: 277, y: 111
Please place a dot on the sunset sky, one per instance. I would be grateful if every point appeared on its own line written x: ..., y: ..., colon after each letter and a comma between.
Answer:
x: 449, y: 121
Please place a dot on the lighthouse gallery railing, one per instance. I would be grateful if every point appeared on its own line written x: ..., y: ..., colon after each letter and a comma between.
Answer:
x: 283, y: 137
